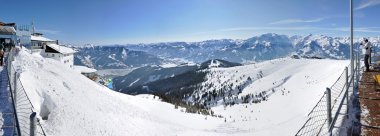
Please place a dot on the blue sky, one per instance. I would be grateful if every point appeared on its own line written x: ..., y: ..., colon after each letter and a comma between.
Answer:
x: 146, y: 21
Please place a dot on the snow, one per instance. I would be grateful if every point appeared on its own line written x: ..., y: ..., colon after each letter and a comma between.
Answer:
x: 70, y: 100
x: 40, y: 38
x: 1, y: 124
x: 298, y: 85
x: 149, y: 97
x: 61, y: 49
x: 154, y: 78
x: 138, y: 79
x: 124, y: 54
x: 214, y: 63
x: 168, y: 65
x: 84, y: 69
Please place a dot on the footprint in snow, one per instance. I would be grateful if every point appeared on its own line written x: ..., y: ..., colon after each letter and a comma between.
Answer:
x: 66, y: 86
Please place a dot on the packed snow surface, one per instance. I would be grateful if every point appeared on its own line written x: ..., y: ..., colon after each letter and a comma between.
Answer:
x: 75, y: 105
x: 298, y: 84
x: 78, y: 106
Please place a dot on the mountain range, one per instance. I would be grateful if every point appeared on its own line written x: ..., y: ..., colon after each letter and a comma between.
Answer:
x: 259, y: 48
x: 113, y: 57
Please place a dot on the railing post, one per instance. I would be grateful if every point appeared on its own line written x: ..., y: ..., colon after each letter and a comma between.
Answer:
x: 15, y: 88
x: 358, y: 68
x: 328, y: 100
x: 348, y: 86
x: 352, y: 38
x: 33, y: 123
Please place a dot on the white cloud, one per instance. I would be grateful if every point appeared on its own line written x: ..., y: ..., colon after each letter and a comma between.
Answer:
x: 267, y: 28
x: 298, y: 28
x: 360, y: 29
x: 291, y: 21
x: 367, y: 3
x: 47, y: 31
x: 234, y: 29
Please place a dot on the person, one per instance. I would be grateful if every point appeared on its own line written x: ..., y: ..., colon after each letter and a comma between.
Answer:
x: 18, y: 43
x: 367, y: 53
x: 1, y: 53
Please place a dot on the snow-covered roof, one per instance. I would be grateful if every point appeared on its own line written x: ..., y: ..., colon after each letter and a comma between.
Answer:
x: 40, y: 38
x: 7, y: 30
x: 61, y: 49
x: 84, y: 69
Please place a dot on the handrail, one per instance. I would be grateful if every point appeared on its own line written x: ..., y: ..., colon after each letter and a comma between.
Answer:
x: 17, y: 90
x: 317, y: 124
x: 17, y: 125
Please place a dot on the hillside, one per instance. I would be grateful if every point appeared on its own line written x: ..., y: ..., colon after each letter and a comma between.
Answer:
x: 147, y: 74
x: 158, y: 79
x: 292, y: 88
x: 68, y: 100
x: 251, y: 83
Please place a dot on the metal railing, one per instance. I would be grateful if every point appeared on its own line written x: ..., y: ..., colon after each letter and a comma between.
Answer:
x: 328, y: 114
x: 26, y: 122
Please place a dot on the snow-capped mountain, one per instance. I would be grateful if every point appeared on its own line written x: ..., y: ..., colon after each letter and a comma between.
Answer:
x: 264, y: 47
x: 258, y: 48
x: 255, y: 49
x: 323, y: 46
x: 104, y: 57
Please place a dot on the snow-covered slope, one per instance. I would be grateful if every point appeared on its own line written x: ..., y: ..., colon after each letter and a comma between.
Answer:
x: 78, y: 106
x: 75, y: 105
x: 271, y: 75
x: 293, y: 87
x: 267, y: 98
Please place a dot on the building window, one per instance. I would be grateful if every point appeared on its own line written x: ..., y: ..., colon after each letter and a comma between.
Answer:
x: 52, y: 55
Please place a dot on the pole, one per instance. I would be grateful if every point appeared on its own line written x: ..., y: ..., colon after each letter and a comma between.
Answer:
x: 348, y: 86
x: 15, y: 88
x: 33, y: 123
x: 328, y: 100
x: 352, y: 38
x: 358, y: 69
